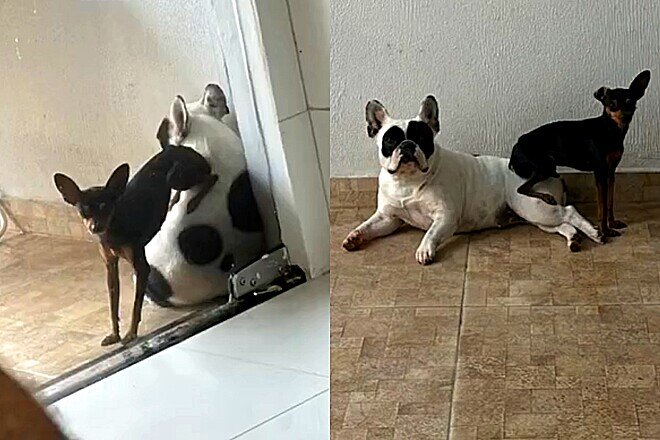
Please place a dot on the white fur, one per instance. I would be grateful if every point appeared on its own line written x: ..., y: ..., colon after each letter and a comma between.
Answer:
x: 223, y: 149
x: 459, y: 193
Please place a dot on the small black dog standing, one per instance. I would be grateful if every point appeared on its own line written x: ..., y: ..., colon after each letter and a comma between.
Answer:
x: 594, y: 144
x: 126, y: 216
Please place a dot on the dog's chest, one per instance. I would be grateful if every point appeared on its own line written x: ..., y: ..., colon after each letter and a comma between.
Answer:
x: 411, y: 205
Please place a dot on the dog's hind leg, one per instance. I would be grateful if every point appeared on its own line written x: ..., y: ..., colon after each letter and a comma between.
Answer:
x: 568, y: 215
x: 186, y: 175
x: 141, y: 268
x: 551, y: 218
x: 208, y: 183
x: 527, y: 188
x: 572, y: 235
x: 572, y: 216
x: 508, y: 217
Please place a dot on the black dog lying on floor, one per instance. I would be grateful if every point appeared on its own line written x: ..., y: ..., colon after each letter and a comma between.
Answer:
x: 126, y: 216
x: 594, y: 144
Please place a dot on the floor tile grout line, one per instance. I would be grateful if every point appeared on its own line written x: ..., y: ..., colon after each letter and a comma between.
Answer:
x: 309, y: 399
x: 458, y: 340
x: 266, y: 364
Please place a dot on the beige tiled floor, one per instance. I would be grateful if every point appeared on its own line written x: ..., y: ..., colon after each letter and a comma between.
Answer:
x: 509, y: 335
x: 54, y: 307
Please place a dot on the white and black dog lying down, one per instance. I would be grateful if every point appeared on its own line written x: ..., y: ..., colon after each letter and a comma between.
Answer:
x: 193, y: 253
x: 444, y: 192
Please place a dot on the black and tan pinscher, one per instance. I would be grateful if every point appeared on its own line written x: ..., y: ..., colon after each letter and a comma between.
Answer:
x: 126, y: 216
x: 594, y: 144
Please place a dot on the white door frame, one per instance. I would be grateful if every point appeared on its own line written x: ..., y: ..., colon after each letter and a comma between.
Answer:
x: 303, y: 221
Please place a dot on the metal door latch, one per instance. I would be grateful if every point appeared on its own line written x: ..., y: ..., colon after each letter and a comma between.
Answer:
x: 270, y: 273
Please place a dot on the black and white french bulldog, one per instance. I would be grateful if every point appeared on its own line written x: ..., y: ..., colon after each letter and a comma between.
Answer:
x: 192, y: 254
x: 444, y: 192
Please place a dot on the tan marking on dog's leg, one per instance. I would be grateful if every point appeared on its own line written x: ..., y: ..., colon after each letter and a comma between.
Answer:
x: 141, y: 268
x: 112, y: 280
x: 175, y: 199
x: 204, y: 190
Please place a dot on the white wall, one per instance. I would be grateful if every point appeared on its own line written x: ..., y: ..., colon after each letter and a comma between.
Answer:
x: 499, y: 68
x: 295, y: 44
x: 86, y: 85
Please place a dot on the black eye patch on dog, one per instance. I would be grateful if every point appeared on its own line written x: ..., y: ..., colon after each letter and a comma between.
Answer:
x: 421, y: 134
x: 391, y: 139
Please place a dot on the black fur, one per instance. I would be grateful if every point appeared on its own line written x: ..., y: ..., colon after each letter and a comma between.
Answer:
x: 200, y: 244
x: 594, y: 144
x: 242, y: 205
x: 158, y: 289
x: 126, y: 215
x: 227, y: 263
x: 391, y: 139
x: 419, y: 133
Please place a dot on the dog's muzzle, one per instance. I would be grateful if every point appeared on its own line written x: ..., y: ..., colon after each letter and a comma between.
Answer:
x: 407, y: 152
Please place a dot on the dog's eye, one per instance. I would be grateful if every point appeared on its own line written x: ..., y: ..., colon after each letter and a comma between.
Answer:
x: 101, y: 206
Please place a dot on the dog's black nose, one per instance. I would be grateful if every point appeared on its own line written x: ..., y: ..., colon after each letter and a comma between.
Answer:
x: 408, y: 147
x: 407, y: 151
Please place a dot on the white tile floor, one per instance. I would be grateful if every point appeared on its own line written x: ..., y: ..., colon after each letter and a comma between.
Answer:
x: 261, y: 375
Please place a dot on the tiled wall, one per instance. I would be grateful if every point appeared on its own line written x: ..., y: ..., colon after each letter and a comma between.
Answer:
x: 349, y: 192
x: 311, y: 28
x: 50, y: 218
x: 295, y: 36
x: 297, y: 42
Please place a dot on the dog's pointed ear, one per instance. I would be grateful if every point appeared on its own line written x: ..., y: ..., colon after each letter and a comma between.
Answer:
x: 118, y: 179
x: 640, y: 83
x: 601, y: 94
x: 68, y: 188
x: 430, y: 113
x: 179, y: 119
x: 163, y: 133
x: 376, y: 115
x: 215, y: 101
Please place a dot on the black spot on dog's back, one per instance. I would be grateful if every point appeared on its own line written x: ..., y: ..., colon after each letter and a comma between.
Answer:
x: 200, y: 244
x: 242, y: 205
x: 158, y: 289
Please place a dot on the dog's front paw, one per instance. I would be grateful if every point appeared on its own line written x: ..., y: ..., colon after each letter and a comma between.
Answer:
x: 128, y: 337
x: 354, y: 240
x: 110, y: 339
x: 618, y: 224
x: 425, y: 254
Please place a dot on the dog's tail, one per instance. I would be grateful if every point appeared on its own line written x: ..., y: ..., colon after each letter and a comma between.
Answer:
x: 520, y: 164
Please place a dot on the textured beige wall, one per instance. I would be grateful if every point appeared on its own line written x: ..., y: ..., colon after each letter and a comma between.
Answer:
x: 84, y: 84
